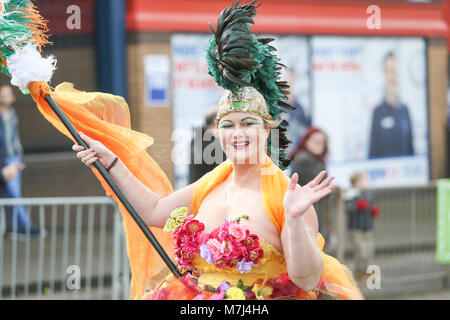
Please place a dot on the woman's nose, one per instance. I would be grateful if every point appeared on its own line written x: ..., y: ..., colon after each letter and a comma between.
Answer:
x: 238, y: 131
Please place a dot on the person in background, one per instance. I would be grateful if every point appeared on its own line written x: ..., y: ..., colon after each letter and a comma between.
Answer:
x: 205, y: 145
x: 298, y: 119
x: 11, y: 167
x: 391, y: 133
x: 308, y: 159
x: 361, y: 214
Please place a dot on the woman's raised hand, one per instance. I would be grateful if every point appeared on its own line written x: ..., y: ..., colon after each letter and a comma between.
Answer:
x: 96, y: 151
x: 297, y: 200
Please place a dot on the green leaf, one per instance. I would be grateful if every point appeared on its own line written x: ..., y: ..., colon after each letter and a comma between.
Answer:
x: 241, y: 285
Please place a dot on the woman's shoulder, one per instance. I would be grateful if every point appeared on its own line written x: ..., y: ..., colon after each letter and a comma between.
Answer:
x: 303, y: 157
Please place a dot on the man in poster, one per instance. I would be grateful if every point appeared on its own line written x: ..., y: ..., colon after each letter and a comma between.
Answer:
x: 391, y: 133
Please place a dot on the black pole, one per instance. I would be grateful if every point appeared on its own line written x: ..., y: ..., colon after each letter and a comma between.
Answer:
x: 105, y: 174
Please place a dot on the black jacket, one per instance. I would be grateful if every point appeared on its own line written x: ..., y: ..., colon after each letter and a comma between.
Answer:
x: 307, y: 167
x: 359, y: 218
x: 391, y: 133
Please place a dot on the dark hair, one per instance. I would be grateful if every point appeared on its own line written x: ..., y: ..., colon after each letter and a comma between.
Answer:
x: 210, y: 119
x: 390, y: 54
x: 302, y: 144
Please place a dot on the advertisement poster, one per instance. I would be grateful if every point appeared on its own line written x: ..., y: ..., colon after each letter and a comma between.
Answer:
x: 195, y: 92
x: 368, y: 94
x: 370, y: 97
x: 157, y: 80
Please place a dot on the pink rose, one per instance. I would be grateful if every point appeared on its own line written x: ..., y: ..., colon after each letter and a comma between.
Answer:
x: 214, y: 234
x: 238, y: 231
x: 233, y: 250
x: 203, y: 238
x: 223, y: 232
x: 215, y: 247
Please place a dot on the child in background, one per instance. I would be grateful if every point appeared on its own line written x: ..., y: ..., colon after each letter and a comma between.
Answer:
x: 361, y: 214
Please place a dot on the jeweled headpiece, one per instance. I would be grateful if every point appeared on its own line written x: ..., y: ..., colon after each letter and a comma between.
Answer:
x: 247, y: 100
x: 248, y: 68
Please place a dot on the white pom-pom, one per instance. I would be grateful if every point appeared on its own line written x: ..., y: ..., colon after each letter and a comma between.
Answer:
x: 27, y: 65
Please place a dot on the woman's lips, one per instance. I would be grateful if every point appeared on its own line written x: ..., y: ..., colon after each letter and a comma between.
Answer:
x: 240, y: 144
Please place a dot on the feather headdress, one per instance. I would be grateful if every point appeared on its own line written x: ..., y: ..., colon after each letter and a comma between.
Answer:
x: 237, y: 59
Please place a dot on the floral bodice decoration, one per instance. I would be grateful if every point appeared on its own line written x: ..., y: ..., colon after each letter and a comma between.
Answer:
x: 229, y: 245
x: 232, y: 263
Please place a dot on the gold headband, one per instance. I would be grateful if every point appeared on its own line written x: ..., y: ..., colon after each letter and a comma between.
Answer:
x: 247, y: 100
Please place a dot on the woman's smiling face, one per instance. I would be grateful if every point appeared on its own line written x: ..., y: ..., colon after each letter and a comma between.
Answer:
x: 243, y: 137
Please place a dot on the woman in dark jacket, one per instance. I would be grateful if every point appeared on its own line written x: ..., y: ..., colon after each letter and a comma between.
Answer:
x: 308, y: 159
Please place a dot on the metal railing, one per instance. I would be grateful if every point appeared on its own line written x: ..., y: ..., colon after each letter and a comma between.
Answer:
x: 83, y: 255
x: 404, y: 239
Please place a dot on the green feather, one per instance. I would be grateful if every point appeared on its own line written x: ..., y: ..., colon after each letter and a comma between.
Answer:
x: 20, y: 25
x: 237, y: 58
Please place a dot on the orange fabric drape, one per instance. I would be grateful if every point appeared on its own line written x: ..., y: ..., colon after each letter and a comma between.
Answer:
x: 106, y: 118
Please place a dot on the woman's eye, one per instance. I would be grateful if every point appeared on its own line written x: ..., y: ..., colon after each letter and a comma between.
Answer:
x: 250, y: 123
x: 225, y: 126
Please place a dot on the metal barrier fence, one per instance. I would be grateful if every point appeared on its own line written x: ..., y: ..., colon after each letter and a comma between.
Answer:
x: 83, y: 255
x: 404, y: 240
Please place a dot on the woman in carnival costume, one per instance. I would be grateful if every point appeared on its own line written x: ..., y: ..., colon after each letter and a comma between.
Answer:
x: 244, y: 230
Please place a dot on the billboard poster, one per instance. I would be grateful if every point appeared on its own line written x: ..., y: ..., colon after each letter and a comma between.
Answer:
x: 368, y: 94
x: 195, y: 92
x: 156, y: 70
x: 370, y: 97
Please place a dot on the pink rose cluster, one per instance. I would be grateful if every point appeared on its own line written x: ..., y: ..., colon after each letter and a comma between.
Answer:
x: 187, y: 241
x: 231, y: 245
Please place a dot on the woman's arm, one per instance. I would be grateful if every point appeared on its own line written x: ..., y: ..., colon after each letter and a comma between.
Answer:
x: 153, y: 209
x: 299, y: 235
x: 303, y: 257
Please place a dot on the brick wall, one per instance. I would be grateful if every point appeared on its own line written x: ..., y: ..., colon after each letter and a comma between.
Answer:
x: 154, y: 121
x: 437, y: 93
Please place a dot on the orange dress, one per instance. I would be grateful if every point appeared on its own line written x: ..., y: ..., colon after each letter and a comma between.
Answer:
x: 267, y: 280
